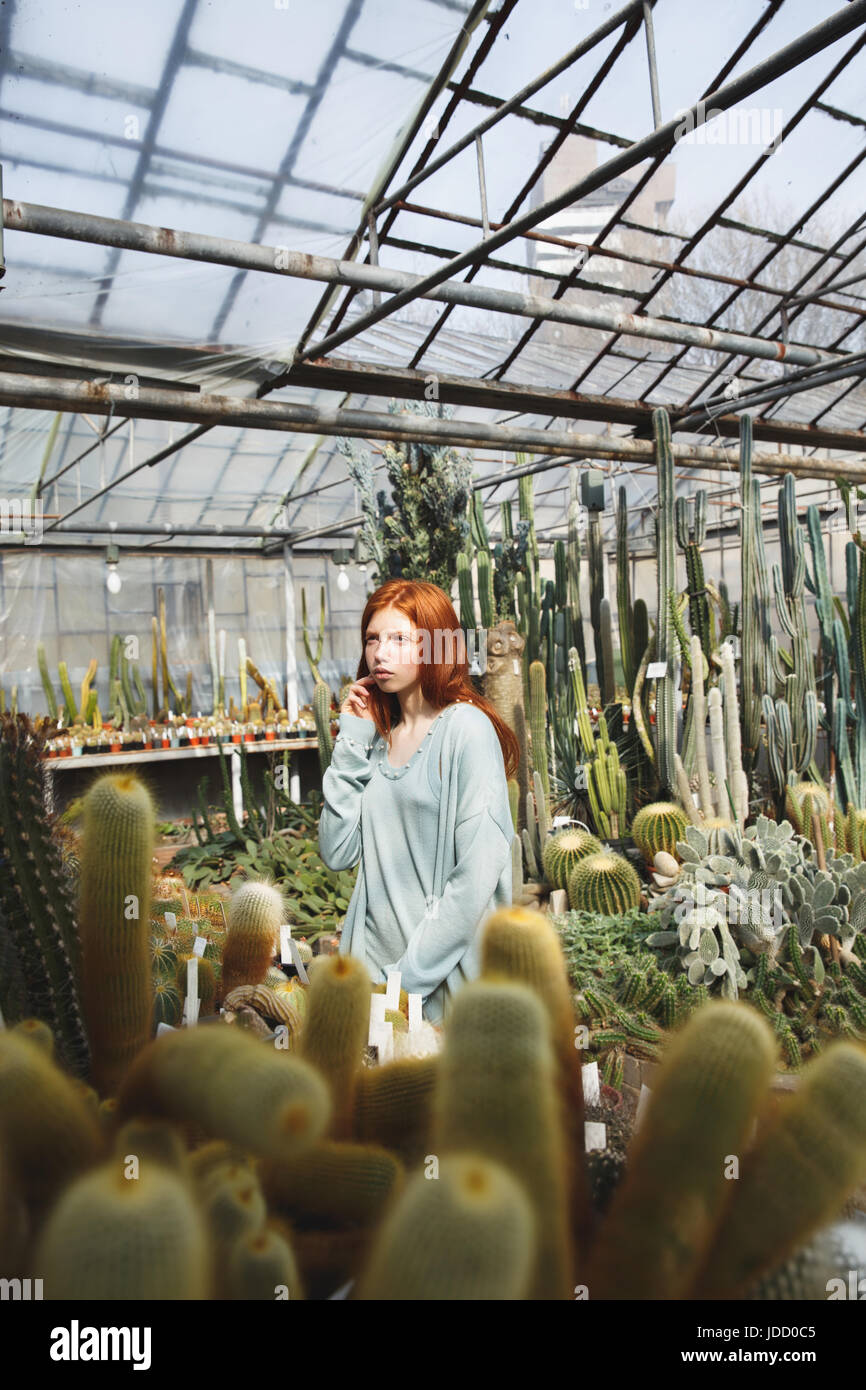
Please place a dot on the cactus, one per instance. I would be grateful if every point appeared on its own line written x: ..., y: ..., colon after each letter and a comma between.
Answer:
x: 312, y: 661
x: 784, y: 1195
x: 497, y: 1096
x: 563, y: 850
x: 259, y: 1264
x: 606, y: 786
x: 469, y: 1235
x: 464, y: 592
x: 666, y: 714
x: 233, y: 1087
x: 485, y: 589
x: 256, y: 913
x: 535, y: 832
x: 322, y: 713
x: 113, y: 1238
x: 48, y: 1130
x: 154, y: 1141
x: 604, y: 883
x: 690, y: 535
x: 333, y: 1185
x: 47, y: 686
x: 234, y: 1206
x: 538, y: 722
x: 625, y: 613
x: 573, y: 563
x: 117, y: 990
x: 393, y: 1106
x: 39, y: 946
x: 168, y: 684
x: 700, y: 1114
x: 335, y: 1031
x: 207, y: 983
x: 658, y: 827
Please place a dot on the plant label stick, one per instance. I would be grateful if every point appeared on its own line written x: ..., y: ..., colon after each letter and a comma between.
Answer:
x: 285, y: 945
x: 377, y: 1017
x: 656, y: 669
x: 414, y: 1012
x: 192, y: 1000
x: 642, y: 1103
x: 171, y: 921
x: 594, y: 1136
x: 164, y: 1028
x: 199, y: 946
x: 591, y: 1090
x: 297, y: 962
x: 392, y: 991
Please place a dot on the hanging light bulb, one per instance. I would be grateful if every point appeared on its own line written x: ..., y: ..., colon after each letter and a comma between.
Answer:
x: 342, y: 578
x: 112, y: 577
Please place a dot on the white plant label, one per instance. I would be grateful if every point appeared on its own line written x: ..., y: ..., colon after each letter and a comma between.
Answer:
x: 297, y: 962
x: 171, y: 921
x: 414, y: 1012
x: 164, y: 1028
x: 191, y: 1003
x: 286, y: 945
x: 594, y: 1136
x: 591, y: 1087
x: 199, y: 946
x: 656, y: 670
x: 377, y: 1017
x: 392, y: 991
x: 642, y: 1103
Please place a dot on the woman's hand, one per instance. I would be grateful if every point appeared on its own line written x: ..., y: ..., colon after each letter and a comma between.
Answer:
x: 356, y: 701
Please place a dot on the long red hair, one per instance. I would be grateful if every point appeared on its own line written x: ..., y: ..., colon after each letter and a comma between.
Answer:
x: 443, y: 682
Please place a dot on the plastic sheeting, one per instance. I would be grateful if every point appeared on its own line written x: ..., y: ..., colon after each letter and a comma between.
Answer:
x: 63, y: 602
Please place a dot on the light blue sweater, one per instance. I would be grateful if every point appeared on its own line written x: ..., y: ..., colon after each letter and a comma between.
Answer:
x: 434, y: 848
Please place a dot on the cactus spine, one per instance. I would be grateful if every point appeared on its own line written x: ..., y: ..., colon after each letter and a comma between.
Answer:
x: 658, y: 827
x: 322, y: 713
x: 563, y: 850
x: 538, y: 722
x: 117, y: 988
x: 606, y: 786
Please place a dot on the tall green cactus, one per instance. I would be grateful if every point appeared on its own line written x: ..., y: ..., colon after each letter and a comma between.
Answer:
x: 607, y: 786
x: 47, y: 686
x: 575, y: 515
x: 538, y: 722
x: 630, y: 656
x: 40, y: 952
x: 322, y: 715
x: 115, y: 924
x: 666, y: 649
x: 691, y: 529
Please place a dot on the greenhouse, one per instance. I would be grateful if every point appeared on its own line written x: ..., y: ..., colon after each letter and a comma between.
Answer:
x: 433, y: 653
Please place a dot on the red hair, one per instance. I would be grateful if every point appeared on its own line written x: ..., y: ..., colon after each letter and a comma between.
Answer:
x: 443, y: 682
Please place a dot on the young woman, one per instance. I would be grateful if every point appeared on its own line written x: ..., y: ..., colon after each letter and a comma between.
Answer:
x: 417, y: 792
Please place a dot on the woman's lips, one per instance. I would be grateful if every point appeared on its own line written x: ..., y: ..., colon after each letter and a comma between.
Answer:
x: 379, y: 672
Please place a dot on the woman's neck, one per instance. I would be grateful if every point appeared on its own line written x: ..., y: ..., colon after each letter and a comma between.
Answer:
x: 415, y: 710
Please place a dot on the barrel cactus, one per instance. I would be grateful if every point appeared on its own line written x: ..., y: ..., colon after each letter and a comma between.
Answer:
x: 658, y: 827
x: 604, y: 883
x: 564, y: 850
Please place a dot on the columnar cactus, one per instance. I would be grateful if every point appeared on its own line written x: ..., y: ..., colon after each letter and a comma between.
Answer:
x: 336, y: 1029
x: 469, y: 1235
x: 691, y: 531
x: 538, y: 721
x: 666, y: 649
x: 607, y: 786
x: 322, y: 715
x: 256, y: 913
x: 604, y: 883
x: 117, y: 986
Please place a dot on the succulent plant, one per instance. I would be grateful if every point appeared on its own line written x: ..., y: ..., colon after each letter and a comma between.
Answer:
x: 563, y: 850
x: 659, y: 826
x: 604, y: 882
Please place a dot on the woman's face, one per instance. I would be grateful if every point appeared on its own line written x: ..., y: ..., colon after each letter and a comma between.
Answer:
x: 392, y: 650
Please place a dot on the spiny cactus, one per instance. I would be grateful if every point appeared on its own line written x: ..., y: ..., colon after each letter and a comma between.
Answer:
x: 336, y: 1029
x: 111, y: 1237
x: 604, y: 883
x: 785, y: 1192
x: 658, y: 827
x: 206, y: 983
x: 666, y: 722
x: 322, y: 714
x: 606, y: 785
x: 333, y: 1185
x: 468, y: 1235
x: 393, y: 1106
x: 497, y: 1096
x: 563, y: 850
x: 260, y: 1265
x: 40, y: 962
x: 256, y: 913
x: 115, y: 924
x: 538, y: 721
x: 702, y: 1105
x: 48, y: 1130
x: 230, y: 1085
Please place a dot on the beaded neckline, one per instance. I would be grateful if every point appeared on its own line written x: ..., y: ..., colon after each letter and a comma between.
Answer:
x: 394, y: 772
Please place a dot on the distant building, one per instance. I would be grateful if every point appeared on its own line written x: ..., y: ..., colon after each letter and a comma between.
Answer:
x: 584, y: 220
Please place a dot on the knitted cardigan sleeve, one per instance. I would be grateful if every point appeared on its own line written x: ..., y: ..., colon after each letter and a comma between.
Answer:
x: 342, y: 789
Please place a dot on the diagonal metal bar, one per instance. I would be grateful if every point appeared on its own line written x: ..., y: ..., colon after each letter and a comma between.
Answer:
x: 801, y: 49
